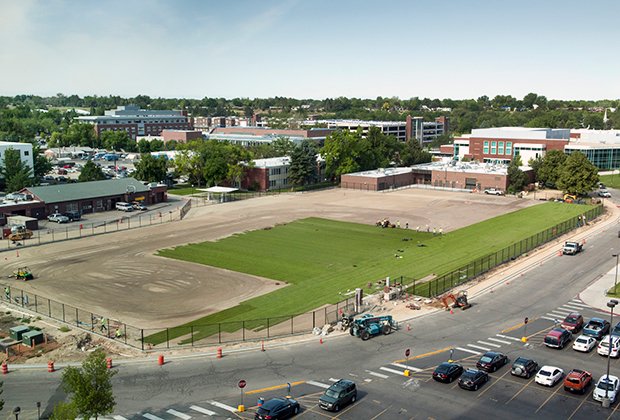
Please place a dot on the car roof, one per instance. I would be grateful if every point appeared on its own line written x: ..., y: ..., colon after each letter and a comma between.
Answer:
x: 341, y: 383
x: 577, y: 372
x: 597, y: 320
x: 492, y: 353
x: 273, y: 403
x: 557, y: 331
x: 572, y: 314
x: 523, y: 359
x: 549, y: 367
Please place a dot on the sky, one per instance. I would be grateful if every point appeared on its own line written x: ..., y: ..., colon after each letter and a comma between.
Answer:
x: 562, y: 49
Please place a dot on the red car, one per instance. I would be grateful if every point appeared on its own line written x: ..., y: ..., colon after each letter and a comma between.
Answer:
x: 573, y: 322
x: 578, y: 381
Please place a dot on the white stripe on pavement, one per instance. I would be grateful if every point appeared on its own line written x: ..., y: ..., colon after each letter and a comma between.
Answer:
x: 378, y: 375
x: 223, y: 406
x: 203, y: 410
x: 151, y: 417
x: 489, y: 344
x: 319, y: 384
x: 466, y: 350
x: 549, y: 318
x: 179, y: 414
x: 580, y: 305
x: 334, y: 379
x: 570, y: 308
x: 478, y: 347
x: 498, y: 340
x: 400, y: 365
x: 508, y: 337
x: 119, y: 418
x: 398, y: 372
x: 557, y: 314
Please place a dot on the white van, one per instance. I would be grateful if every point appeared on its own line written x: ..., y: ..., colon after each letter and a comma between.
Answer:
x: 124, y: 206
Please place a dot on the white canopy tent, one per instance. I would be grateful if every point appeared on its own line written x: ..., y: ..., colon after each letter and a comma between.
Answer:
x: 218, y: 190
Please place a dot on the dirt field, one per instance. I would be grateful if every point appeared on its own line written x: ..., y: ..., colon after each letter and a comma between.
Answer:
x: 118, y: 276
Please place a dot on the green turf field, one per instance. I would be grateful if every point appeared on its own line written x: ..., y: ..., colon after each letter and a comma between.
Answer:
x: 322, y: 258
x: 611, y: 181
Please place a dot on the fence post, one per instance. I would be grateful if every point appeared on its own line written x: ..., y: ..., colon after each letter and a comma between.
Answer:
x: 22, y: 298
x: 167, y: 339
x: 219, y: 333
x: 77, y: 316
x: 291, y: 324
x: 267, y: 327
x: 125, y: 332
x: 63, y: 312
x: 49, y: 308
x: 313, y: 319
x: 243, y: 330
x: 192, y: 334
x: 141, y: 338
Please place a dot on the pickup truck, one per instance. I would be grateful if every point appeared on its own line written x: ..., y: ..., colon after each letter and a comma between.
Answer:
x: 493, y: 191
x: 572, y: 248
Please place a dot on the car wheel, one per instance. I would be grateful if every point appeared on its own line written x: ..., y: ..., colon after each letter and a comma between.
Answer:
x: 386, y: 329
x: 493, y: 369
x: 476, y: 387
x: 365, y: 335
x: 353, y: 399
x: 296, y: 410
x: 336, y: 408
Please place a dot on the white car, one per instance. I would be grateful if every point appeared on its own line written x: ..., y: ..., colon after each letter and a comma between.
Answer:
x: 584, y: 343
x: 605, y: 385
x: 603, y: 346
x: 493, y: 191
x: 604, y: 193
x: 549, y: 375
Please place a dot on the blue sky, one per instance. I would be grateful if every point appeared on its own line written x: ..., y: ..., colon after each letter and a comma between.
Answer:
x: 311, y: 48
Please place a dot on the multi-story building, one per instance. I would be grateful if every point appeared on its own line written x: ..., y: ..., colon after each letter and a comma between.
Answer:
x: 426, y: 131
x: 252, y: 136
x: 182, y: 136
x: 206, y: 124
x: 267, y: 174
x: 25, y: 152
x: 601, y: 147
x: 139, y: 122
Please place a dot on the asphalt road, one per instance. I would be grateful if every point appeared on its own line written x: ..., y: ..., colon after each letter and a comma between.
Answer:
x: 205, y: 387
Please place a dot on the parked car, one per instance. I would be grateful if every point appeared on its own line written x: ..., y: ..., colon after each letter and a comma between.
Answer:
x: 604, y: 194
x: 473, y: 379
x: 124, y: 206
x: 277, y: 408
x: 139, y: 206
x: 447, y: 372
x: 616, y: 331
x: 491, y: 361
x: 606, y: 385
x: 573, y: 322
x: 557, y: 338
x: 603, y: 346
x: 584, y: 343
x: 493, y: 191
x: 578, y: 381
x: 338, y: 395
x: 524, y: 367
x: 73, y: 215
x: 58, y: 218
x: 596, y: 328
x: 549, y: 375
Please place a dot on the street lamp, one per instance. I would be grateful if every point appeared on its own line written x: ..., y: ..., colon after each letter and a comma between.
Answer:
x: 16, y: 411
x: 616, y: 278
x: 611, y: 304
x: 38, y: 410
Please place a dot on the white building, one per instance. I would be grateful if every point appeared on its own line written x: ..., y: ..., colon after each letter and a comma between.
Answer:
x: 25, y: 152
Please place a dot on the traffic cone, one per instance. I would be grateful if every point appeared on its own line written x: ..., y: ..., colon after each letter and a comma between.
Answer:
x: 321, y: 340
x: 17, y: 253
x: 451, y: 312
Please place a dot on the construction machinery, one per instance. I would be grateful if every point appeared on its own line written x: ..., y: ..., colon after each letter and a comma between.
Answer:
x: 23, y: 273
x: 368, y: 326
x: 19, y: 233
x: 569, y: 198
x: 458, y: 301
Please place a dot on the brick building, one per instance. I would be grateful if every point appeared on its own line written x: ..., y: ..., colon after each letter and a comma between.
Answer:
x: 182, y: 136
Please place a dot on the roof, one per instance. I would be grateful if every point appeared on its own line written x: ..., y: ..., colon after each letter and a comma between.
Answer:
x: 381, y: 172
x: 217, y: 189
x: 85, y: 190
x: 272, y: 162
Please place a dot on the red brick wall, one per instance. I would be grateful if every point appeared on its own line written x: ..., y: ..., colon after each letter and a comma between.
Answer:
x: 256, y: 178
x: 181, y: 136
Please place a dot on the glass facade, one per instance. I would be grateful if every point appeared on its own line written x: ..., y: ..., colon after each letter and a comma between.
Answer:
x: 601, y: 158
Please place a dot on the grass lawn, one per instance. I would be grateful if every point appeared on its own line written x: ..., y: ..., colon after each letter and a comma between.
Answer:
x: 611, y: 181
x: 183, y: 190
x: 321, y: 258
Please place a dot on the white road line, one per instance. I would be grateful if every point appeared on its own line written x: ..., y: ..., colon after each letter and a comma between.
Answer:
x: 577, y: 300
x: 489, y: 344
x: 334, y: 379
x: 508, y: 337
x: 319, y: 384
x: 571, y: 308
x: 549, y: 318
x: 580, y: 305
x: 557, y: 314
x: 378, y: 375
x: 119, y: 418
x: 466, y: 350
x: 479, y: 347
x: 498, y: 340
x: 178, y: 414
x: 223, y: 406
x: 398, y: 372
x: 400, y: 365
x: 151, y: 417
x: 203, y: 410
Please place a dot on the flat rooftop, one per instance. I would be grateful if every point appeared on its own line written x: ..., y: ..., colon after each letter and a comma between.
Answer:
x: 465, y: 167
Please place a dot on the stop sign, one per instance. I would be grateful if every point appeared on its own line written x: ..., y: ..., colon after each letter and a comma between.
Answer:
x: 242, y: 384
x: 407, y: 352
x: 526, y: 320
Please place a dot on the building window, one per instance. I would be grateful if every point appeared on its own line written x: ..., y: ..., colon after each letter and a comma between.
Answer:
x: 272, y: 183
x: 486, y: 148
x: 26, y: 152
x: 509, y: 148
x: 500, y: 148
x: 493, y: 147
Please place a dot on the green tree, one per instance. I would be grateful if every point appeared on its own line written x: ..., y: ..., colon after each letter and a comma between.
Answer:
x: 42, y: 165
x: 144, y: 146
x: 151, y: 169
x: 550, y: 167
x: 413, y: 154
x: 303, y: 164
x: 90, y: 387
x: 578, y: 175
x: 115, y: 140
x: 64, y: 411
x: 80, y: 134
x: 156, y: 145
x: 516, y: 177
x: 282, y: 146
x: 15, y: 174
x: 91, y: 172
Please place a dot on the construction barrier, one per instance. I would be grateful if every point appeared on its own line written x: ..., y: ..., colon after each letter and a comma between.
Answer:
x: 50, y: 366
x: 160, y: 360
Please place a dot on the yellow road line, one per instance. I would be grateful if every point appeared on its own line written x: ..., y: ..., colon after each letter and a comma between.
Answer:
x: 490, y: 385
x: 421, y: 356
x: 558, y: 387
x: 529, y: 381
x: 379, y: 414
x: 272, y: 388
x: 578, y: 407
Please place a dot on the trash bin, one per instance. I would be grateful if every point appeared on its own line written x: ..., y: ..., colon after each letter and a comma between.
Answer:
x: 32, y: 338
x: 18, y: 332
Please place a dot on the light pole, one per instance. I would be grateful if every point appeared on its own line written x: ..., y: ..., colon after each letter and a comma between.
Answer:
x: 16, y: 411
x: 616, y: 278
x: 38, y: 410
x: 606, y: 403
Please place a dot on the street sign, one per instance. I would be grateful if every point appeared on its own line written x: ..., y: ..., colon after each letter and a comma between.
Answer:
x: 407, y: 352
x: 526, y: 320
x: 242, y: 384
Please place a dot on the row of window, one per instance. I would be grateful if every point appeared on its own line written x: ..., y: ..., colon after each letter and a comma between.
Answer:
x: 497, y: 148
x: 274, y: 183
x: 141, y: 122
x: 278, y: 171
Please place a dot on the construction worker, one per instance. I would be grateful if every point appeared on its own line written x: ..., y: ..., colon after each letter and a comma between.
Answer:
x: 7, y: 293
x: 118, y: 333
x: 103, y: 326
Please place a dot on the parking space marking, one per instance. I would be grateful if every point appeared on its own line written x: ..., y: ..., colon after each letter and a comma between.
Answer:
x: 496, y: 381
x: 489, y: 344
x: 151, y: 416
x: 203, y: 410
x: 466, y: 350
x: 498, y: 340
x: 319, y: 384
x: 549, y: 318
x: 558, y: 387
x: 577, y: 409
x: 400, y: 365
x: 613, y: 411
x: 179, y: 414
x: 381, y: 413
x: 478, y: 347
x: 223, y: 406
x: 423, y: 355
x: 378, y: 375
x: 508, y: 337
x: 334, y: 379
x: 272, y: 388
x: 398, y: 372
x: 119, y: 418
x: 520, y: 391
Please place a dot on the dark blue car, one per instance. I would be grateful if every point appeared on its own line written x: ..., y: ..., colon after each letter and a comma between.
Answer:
x: 596, y: 328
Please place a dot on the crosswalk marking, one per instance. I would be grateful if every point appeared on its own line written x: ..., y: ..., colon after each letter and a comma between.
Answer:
x: 319, y: 384
x: 223, y: 406
x: 398, y: 372
x: 581, y: 305
x: 179, y: 414
x: 119, y: 418
x: 151, y: 416
x: 478, y: 347
x: 570, y: 308
x: 498, y: 340
x: 334, y: 379
x: 203, y: 410
x: 549, y: 318
x: 557, y: 314
x: 400, y: 365
x: 489, y: 344
x: 508, y: 337
x: 378, y: 375
x: 466, y: 350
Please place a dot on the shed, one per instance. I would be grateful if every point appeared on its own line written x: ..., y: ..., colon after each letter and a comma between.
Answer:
x: 32, y: 338
x: 18, y: 331
x: 31, y: 223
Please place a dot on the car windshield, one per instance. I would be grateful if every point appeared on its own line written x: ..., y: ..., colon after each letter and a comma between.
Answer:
x: 571, y: 319
x: 582, y: 341
x: 573, y: 380
x: 520, y: 362
x: 332, y: 393
x: 604, y: 385
x: 486, y: 359
x: 469, y: 376
x: 544, y: 373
